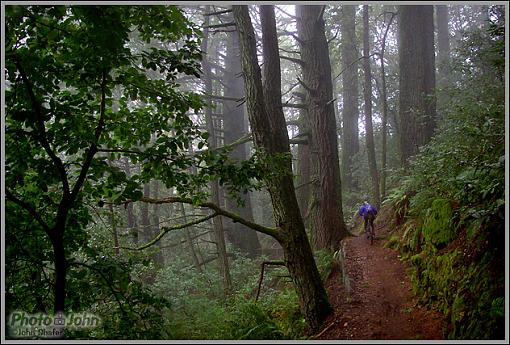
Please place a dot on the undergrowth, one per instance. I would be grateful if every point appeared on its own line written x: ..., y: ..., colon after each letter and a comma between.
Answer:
x: 450, y: 204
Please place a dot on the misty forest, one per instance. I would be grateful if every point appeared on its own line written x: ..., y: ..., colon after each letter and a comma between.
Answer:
x: 198, y: 172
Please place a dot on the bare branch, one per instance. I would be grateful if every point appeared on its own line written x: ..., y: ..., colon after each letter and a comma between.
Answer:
x: 295, y: 141
x: 219, y: 25
x: 290, y: 89
x: 217, y: 13
x: 223, y: 98
x: 334, y: 36
x: 321, y: 14
x: 289, y: 51
x: 294, y: 105
x: 352, y: 63
x: 166, y: 229
x: 218, y: 31
x: 293, y: 35
x: 309, y: 89
x: 286, y: 13
x: 298, y: 61
x: 273, y: 232
x: 262, y: 266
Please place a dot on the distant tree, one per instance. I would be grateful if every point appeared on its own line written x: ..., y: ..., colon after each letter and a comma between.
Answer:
x: 443, y: 51
x: 350, y: 93
x: 213, y: 142
x: 62, y: 64
x: 417, y: 102
x: 372, y: 164
x: 234, y: 128
x: 384, y: 96
x: 326, y: 193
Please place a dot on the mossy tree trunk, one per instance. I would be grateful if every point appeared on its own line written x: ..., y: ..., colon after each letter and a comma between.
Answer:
x: 270, y: 134
x: 326, y: 205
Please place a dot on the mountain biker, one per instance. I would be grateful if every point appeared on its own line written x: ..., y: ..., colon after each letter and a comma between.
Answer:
x: 368, y: 212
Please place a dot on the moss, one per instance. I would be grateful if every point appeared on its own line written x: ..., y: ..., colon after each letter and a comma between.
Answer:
x: 392, y: 242
x: 453, y: 276
x: 437, y: 227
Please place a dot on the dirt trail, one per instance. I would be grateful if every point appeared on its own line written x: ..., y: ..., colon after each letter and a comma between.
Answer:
x: 376, y: 301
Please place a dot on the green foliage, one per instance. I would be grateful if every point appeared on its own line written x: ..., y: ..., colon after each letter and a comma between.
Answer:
x: 324, y: 260
x: 437, y: 227
x: 89, y: 89
x: 452, y: 199
x: 199, y: 311
x: 248, y: 321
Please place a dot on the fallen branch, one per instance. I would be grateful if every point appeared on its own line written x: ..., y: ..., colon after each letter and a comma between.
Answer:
x: 263, y: 265
x: 325, y: 329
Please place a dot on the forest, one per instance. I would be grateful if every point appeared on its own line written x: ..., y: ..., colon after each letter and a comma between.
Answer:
x: 197, y: 171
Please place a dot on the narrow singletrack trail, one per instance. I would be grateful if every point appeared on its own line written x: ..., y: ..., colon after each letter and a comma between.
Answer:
x: 374, y: 300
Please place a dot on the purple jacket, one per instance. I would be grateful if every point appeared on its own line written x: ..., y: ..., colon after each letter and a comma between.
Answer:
x: 365, y: 209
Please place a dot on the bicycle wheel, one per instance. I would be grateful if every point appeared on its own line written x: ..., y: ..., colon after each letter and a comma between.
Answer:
x: 371, y: 233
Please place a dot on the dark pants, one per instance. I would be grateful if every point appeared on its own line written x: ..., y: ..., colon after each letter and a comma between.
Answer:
x: 369, y: 218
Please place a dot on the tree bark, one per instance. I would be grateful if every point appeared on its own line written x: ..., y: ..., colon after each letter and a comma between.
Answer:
x: 384, y: 97
x: 417, y: 103
x: 270, y: 135
x: 326, y: 205
x: 350, y: 113
x: 372, y: 164
x: 303, y: 162
x: 443, y: 52
x: 60, y: 261
x: 234, y: 125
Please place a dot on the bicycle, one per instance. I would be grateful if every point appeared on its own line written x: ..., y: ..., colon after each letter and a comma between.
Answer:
x: 370, y: 232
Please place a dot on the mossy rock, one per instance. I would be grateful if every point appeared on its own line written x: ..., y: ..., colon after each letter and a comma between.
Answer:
x: 437, y: 228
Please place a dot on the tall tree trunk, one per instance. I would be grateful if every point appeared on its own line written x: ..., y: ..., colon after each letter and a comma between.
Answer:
x: 326, y: 205
x: 234, y: 127
x: 350, y: 113
x: 372, y: 164
x: 215, y: 190
x: 384, y: 97
x: 60, y: 261
x: 443, y: 50
x: 417, y: 103
x: 145, y: 232
x: 270, y: 134
x: 189, y: 240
